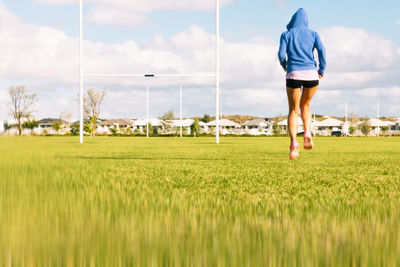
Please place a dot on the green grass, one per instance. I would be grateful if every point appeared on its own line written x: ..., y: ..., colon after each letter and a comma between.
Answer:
x: 189, y: 202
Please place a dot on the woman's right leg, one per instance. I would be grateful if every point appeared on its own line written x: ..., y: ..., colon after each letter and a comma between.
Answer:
x: 294, y: 95
x: 306, y: 97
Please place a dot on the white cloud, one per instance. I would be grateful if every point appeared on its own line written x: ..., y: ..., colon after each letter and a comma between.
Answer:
x: 134, y: 12
x: 281, y: 3
x: 397, y: 22
x: 355, y: 50
x: 106, y: 15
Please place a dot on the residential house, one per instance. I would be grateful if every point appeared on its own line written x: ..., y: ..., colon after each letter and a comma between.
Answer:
x: 140, y: 125
x: 120, y: 125
x: 284, y: 125
x: 395, y: 127
x: 186, y: 124
x: 328, y: 127
x: 47, y: 126
x: 378, y: 125
x: 257, y: 127
x: 226, y: 126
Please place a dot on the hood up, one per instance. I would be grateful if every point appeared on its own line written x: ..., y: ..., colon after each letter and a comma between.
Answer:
x: 299, y: 19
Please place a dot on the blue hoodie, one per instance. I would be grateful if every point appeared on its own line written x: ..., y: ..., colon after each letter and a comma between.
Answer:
x: 299, y: 42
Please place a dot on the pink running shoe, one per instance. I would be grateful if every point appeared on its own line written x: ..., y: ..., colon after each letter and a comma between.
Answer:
x: 294, y: 150
x: 308, y: 143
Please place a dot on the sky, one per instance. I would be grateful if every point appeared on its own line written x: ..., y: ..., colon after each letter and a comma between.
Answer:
x: 39, y: 49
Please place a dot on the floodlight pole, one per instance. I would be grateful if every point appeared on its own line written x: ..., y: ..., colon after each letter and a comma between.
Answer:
x: 81, y: 71
x: 180, y: 105
x: 147, y: 111
x: 217, y: 71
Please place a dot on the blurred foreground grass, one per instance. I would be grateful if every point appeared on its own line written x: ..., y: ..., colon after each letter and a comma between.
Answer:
x: 189, y: 202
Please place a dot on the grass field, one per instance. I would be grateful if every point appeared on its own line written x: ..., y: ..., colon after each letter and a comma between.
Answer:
x: 172, y: 202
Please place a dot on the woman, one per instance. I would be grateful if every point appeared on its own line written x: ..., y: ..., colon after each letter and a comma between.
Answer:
x: 296, y: 56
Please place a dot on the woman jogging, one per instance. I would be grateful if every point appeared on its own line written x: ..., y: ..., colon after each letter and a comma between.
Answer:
x: 296, y: 56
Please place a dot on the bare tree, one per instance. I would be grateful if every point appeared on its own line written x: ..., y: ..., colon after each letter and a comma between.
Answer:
x: 21, y: 105
x: 67, y: 119
x: 92, y: 103
x: 166, y: 120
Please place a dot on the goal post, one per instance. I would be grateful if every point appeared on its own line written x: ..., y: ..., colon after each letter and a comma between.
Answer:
x: 82, y: 75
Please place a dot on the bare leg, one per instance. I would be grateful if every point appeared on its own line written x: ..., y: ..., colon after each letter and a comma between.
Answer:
x: 305, y: 100
x: 294, y: 95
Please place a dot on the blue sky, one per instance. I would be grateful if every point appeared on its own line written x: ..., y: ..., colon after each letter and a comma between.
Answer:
x: 239, y: 19
x: 362, y: 40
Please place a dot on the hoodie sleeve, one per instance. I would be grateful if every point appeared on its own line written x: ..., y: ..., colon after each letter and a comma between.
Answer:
x: 321, y: 54
x: 282, y: 51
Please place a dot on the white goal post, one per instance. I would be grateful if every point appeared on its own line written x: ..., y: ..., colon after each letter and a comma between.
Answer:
x: 82, y: 75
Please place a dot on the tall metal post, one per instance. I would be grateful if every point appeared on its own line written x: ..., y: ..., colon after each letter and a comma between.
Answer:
x: 81, y: 70
x: 314, y: 126
x: 147, y: 111
x: 346, y: 125
x: 180, y: 105
x: 217, y: 72
x: 378, y: 115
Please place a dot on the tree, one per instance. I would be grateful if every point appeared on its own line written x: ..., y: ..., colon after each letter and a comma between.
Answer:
x: 365, y: 127
x: 21, y: 105
x: 166, y: 119
x: 275, y: 128
x: 30, y: 124
x: 195, y: 127
x: 7, y: 126
x: 74, y: 129
x: 91, y: 104
x: 206, y: 118
x: 113, y: 130
x: 56, y: 125
x: 352, y: 129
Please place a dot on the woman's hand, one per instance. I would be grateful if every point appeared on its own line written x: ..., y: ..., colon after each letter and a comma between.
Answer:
x: 320, y: 75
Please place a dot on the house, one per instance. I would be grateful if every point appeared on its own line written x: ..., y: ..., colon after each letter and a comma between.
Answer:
x: 47, y: 125
x: 176, y: 125
x: 257, y: 127
x: 49, y: 122
x: 227, y: 126
x: 120, y: 125
x: 140, y: 125
x: 395, y: 127
x: 204, y: 127
x: 328, y: 126
x: 378, y: 125
x: 284, y: 125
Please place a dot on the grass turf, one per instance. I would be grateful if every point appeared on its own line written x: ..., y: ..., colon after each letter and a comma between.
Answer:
x: 189, y: 202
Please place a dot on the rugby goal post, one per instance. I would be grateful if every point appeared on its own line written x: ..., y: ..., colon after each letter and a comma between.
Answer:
x: 82, y: 75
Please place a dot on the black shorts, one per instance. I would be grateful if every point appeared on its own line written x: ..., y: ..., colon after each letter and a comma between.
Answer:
x: 299, y: 83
